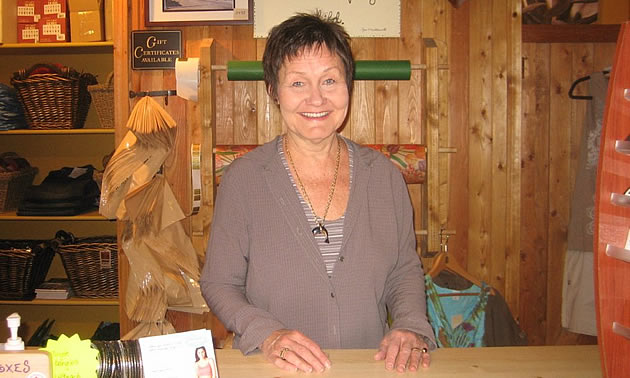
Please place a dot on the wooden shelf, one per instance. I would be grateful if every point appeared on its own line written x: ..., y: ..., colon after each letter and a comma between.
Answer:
x: 623, y: 147
x: 618, y: 199
x: 64, y: 302
x: 618, y: 253
x: 570, y: 33
x: 57, y: 132
x: 63, y: 45
x: 90, y: 216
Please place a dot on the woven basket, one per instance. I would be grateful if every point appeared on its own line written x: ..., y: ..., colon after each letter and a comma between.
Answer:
x: 91, y: 265
x: 103, y: 100
x: 23, y: 267
x: 13, y: 186
x: 58, y: 100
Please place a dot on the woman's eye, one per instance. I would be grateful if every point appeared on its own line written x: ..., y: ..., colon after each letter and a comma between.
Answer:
x: 297, y: 84
x: 329, y: 81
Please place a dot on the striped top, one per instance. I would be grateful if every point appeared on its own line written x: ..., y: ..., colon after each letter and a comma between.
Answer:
x: 329, y: 251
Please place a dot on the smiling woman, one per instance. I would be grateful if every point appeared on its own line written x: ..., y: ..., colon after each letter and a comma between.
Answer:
x: 314, y: 232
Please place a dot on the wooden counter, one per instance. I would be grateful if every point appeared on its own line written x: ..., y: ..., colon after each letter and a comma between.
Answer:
x: 539, y: 361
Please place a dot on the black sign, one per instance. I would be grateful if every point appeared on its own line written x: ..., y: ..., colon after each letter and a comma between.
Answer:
x: 155, y: 50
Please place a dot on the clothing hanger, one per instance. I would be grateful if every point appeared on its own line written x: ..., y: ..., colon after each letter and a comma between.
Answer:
x: 578, y: 81
x: 444, y: 262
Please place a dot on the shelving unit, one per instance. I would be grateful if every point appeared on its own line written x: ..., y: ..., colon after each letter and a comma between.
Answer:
x: 53, y: 149
x: 612, y: 220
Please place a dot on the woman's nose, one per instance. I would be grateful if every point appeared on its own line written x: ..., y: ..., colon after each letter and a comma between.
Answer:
x: 316, y: 97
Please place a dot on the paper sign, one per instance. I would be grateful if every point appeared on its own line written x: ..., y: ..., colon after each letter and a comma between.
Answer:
x: 183, y: 354
x: 360, y: 18
x: 72, y: 357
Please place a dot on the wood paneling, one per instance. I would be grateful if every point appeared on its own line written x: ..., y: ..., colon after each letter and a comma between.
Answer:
x: 552, y: 126
x: 510, y: 127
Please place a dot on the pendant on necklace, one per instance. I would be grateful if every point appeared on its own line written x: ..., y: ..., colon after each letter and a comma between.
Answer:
x: 321, y: 230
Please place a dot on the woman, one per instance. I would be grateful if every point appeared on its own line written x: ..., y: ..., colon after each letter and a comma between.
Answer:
x: 203, y: 365
x: 312, y: 242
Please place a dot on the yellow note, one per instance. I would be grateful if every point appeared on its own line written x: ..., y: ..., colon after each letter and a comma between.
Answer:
x: 72, y: 357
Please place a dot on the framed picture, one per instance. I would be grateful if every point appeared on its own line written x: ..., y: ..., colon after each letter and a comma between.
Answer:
x: 198, y: 12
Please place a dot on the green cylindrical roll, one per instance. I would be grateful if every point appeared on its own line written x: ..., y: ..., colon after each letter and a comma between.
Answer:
x: 382, y: 70
x: 244, y: 70
x: 363, y: 70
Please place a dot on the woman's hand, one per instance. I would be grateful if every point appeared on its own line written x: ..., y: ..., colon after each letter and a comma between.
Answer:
x: 291, y: 350
x: 402, y: 349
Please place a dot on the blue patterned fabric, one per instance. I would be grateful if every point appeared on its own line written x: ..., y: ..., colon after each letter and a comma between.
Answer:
x: 457, y: 320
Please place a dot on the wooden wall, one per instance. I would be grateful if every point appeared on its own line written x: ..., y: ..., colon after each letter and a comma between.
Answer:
x: 504, y: 235
x: 552, y: 127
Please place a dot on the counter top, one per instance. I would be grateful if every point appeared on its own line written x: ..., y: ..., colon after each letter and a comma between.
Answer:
x: 572, y: 361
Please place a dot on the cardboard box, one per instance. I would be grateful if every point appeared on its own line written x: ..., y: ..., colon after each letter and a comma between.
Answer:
x: 84, y: 5
x: 108, y: 15
x: 53, y: 29
x: 86, y: 26
x: 28, y: 11
x: 53, y: 8
x: 27, y: 33
x: 8, y: 21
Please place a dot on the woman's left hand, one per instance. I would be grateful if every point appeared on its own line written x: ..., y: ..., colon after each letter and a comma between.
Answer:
x: 402, y: 349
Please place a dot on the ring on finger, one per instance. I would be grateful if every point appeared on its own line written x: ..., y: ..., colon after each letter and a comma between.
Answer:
x: 283, y: 351
x: 423, y: 350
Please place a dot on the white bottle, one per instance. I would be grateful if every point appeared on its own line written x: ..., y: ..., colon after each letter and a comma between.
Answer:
x: 16, y: 362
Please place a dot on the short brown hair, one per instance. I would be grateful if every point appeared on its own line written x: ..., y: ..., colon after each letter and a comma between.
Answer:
x: 303, y: 31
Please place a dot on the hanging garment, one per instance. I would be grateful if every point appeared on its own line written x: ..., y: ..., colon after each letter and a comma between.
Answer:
x: 578, y: 291
x: 457, y: 320
x: 501, y: 329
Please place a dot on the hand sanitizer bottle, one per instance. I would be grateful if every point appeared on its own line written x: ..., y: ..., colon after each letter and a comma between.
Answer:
x: 16, y: 362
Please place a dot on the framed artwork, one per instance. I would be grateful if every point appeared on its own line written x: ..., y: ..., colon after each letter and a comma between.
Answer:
x: 198, y: 12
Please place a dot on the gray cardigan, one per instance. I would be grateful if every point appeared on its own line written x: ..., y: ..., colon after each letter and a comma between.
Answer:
x: 264, y: 271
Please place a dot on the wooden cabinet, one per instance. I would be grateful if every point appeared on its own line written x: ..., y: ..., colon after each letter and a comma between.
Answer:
x: 49, y: 150
x: 612, y: 233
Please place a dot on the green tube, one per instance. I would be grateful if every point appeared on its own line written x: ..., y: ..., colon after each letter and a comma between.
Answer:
x: 248, y: 70
x: 244, y: 70
x: 382, y: 70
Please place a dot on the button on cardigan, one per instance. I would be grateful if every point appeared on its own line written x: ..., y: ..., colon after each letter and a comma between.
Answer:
x: 264, y: 271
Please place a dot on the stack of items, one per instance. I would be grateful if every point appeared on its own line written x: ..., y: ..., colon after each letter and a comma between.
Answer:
x: 42, y: 21
x: 67, y: 191
x: 54, y: 288
x: 11, y: 115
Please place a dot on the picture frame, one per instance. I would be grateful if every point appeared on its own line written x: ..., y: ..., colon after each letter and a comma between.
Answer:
x: 198, y: 12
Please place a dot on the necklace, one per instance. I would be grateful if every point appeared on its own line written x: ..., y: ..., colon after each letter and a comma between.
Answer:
x: 320, y: 229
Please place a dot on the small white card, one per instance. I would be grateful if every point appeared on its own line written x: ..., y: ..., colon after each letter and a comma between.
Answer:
x: 183, y: 354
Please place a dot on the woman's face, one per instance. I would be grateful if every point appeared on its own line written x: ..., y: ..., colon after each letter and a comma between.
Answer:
x: 201, y: 353
x: 313, y: 95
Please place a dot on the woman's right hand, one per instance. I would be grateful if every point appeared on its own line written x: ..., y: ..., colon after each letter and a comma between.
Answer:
x: 291, y: 350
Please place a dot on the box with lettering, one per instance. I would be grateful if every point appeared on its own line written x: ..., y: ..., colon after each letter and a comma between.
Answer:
x: 27, y: 33
x: 52, y: 29
x: 86, y: 20
x: 28, y: 11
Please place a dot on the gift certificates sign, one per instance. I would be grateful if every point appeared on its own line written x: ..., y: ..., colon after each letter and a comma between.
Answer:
x: 156, y: 49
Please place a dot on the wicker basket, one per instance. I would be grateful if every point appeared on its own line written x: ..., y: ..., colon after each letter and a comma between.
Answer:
x: 13, y: 186
x: 23, y: 267
x: 58, y: 100
x: 91, y: 265
x: 103, y: 100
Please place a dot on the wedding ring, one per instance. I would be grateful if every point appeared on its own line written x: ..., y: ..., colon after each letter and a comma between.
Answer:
x: 282, y: 352
x: 414, y: 349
